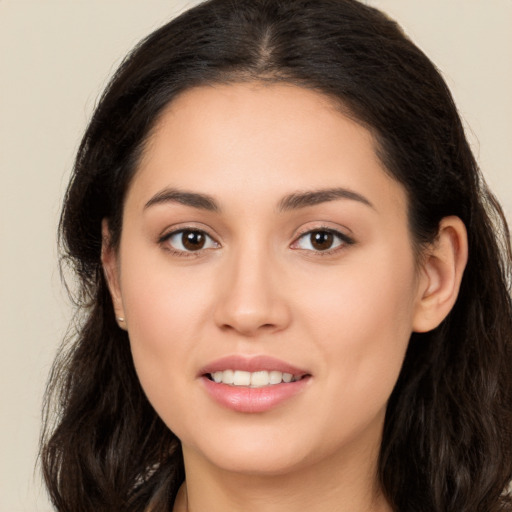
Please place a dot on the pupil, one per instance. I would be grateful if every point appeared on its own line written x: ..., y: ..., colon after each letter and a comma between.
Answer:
x: 322, y: 240
x: 193, y: 240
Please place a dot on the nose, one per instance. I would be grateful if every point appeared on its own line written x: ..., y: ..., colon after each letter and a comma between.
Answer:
x: 251, y: 295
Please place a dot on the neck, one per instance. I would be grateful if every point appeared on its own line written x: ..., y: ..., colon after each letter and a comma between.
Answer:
x: 323, y: 487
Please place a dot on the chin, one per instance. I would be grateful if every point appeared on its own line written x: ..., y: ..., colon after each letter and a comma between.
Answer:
x: 256, y: 463
x: 261, y: 454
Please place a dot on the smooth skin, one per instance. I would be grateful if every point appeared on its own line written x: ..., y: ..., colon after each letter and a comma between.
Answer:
x: 228, y: 248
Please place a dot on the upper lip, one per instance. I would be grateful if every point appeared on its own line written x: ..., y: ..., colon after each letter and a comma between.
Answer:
x: 251, y: 364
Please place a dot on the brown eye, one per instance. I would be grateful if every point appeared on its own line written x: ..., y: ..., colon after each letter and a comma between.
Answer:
x: 189, y: 240
x: 321, y: 240
x: 193, y: 240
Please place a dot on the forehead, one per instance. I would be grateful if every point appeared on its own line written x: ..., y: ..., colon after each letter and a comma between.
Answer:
x: 260, y: 140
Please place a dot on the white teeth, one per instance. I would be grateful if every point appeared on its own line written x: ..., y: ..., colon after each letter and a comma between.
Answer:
x: 259, y: 379
x: 252, y: 379
x: 241, y: 378
x: 275, y: 377
x: 228, y: 376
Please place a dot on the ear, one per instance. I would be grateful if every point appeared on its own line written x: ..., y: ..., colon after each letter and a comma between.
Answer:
x: 441, y: 274
x: 110, y: 263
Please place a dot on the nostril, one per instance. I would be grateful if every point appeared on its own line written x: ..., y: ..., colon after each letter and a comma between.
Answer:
x: 250, y: 314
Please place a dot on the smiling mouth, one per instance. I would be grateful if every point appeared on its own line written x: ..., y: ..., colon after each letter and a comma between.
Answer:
x: 253, y: 379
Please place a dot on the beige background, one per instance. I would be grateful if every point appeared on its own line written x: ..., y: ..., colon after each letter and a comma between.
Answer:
x: 55, y: 57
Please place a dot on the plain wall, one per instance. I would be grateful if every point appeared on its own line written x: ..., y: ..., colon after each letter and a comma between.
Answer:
x: 55, y: 57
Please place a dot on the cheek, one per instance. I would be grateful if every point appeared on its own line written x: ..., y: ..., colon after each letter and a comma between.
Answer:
x: 361, y: 321
x: 371, y: 298
x: 164, y: 306
x: 166, y: 313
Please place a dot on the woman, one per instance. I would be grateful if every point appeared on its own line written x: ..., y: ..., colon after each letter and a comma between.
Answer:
x: 293, y: 277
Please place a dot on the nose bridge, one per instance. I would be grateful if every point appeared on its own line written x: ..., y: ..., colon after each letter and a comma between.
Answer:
x: 250, y: 299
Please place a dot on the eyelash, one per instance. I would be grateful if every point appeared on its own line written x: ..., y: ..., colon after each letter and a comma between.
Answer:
x: 342, y: 239
x: 164, y: 241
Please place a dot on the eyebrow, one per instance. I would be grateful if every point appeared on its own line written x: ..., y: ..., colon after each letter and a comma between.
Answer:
x: 299, y: 200
x: 193, y: 199
x: 294, y: 201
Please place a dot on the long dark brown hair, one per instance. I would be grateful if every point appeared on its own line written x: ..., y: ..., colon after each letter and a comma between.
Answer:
x: 447, y: 444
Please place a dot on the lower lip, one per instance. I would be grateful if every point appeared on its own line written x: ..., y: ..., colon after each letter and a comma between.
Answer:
x: 253, y: 400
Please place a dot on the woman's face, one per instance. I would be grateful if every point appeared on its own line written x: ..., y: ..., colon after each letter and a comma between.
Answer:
x: 263, y: 241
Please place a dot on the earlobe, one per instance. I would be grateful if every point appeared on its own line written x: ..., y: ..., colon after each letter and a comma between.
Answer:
x: 110, y: 265
x: 441, y: 274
